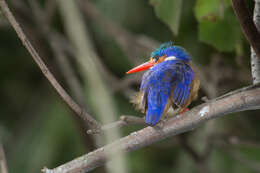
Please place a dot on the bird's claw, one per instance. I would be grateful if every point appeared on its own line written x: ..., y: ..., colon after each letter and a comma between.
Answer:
x: 185, y: 110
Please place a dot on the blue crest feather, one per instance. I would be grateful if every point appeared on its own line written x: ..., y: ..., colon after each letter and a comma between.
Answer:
x: 169, y: 49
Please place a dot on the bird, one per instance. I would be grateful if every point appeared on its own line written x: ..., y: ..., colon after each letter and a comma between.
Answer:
x: 170, y: 82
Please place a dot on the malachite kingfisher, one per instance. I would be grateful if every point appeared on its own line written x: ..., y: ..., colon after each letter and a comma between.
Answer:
x: 171, y: 81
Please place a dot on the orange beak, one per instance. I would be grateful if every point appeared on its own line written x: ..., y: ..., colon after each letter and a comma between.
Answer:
x: 142, y: 67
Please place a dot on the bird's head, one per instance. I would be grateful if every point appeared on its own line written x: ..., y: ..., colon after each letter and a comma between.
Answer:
x: 166, y: 52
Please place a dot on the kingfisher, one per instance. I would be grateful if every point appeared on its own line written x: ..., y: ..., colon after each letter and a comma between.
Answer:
x: 170, y: 82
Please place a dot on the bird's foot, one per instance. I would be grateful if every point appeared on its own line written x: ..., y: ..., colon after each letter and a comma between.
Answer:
x: 185, y: 110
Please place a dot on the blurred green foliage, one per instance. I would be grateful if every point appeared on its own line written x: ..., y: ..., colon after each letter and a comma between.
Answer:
x: 218, y: 25
x: 169, y: 12
x: 38, y: 130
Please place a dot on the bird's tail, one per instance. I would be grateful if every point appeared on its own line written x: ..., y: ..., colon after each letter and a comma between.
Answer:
x: 155, y: 112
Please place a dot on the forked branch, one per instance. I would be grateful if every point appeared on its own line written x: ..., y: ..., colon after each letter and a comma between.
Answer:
x: 125, y: 120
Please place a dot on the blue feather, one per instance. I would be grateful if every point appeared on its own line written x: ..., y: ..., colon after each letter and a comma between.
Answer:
x: 184, y: 93
x: 167, y: 81
x: 180, y: 95
x: 176, y: 93
x: 158, y: 84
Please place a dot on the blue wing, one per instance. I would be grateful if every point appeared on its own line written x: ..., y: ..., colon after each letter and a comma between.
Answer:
x: 167, y: 81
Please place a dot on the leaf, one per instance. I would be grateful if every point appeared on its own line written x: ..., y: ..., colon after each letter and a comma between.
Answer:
x: 218, y: 25
x: 205, y: 9
x: 169, y: 11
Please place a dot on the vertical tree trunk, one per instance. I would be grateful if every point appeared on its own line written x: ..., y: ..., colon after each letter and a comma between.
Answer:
x: 255, y: 61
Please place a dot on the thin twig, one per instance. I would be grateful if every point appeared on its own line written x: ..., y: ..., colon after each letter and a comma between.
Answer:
x: 125, y: 120
x: 71, y: 103
x: 3, y: 162
x: 116, y: 84
x: 40, y: 16
x: 243, y: 100
x: 62, y: 60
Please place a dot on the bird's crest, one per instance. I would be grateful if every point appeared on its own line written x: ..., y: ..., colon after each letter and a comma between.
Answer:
x: 164, y: 46
x: 169, y: 49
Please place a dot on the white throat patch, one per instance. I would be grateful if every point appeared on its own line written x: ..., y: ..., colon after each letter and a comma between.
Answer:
x: 170, y: 58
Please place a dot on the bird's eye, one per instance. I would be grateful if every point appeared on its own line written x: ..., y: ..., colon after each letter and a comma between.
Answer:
x: 156, y: 58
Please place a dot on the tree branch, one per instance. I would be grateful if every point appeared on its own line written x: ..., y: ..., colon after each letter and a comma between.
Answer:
x: 64, y: 95
x: 245, y: 99
x: 41, y: 17
x: 251, y: 31
x: 125, y: 120
x: 255, y: 58
x: 131, y: 120
x: 247, y: 24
